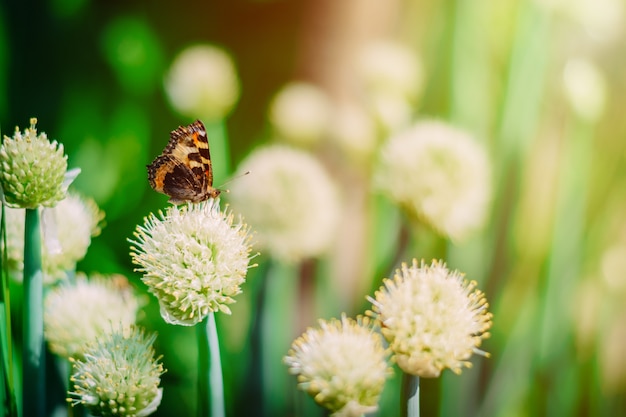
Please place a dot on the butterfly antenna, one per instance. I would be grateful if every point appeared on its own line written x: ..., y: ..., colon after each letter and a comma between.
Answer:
x: 230, y: 180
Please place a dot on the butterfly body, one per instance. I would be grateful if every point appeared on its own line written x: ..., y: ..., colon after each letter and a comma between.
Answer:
x: 183, y: 171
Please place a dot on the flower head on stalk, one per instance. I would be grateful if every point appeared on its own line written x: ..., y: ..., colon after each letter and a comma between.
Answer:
x: 194, y: 259
x: 342, y: 365
x: 438, y: 174
x: 32, y: 170
x: 202, y: 83
x: 389, y: 67
x: 432, y: 318
x: 300, y: 114
x: 77, y: 314
x: 392, y: 77
x: 354, y: 132
x: 119, y: 375
x: 289, y: 199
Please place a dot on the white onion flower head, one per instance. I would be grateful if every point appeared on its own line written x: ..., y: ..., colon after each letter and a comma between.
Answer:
x: 203, y: 83
x: 77, y: 314
x: 194, y: 259
x: 439, y: 174
x: 119, y: 375
x: 391, y: 112
x: 342, y: 365
x: 388, y: 67
x: 601, y: 20
x: 432, y: 318
x: 355, y: 133
x: 392, y: 76
x: 14, y: 221
x: 32, y: 169
x: 289, y: 200
x: 585, y: 88
x: 67, y: 229
x: 300, y: 114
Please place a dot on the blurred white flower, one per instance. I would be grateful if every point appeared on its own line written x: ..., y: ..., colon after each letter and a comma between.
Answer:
x: 77, y: 314
x: 67, y: 230
x: 289, y: 200
x: 391, y: 68
x: 14, y: 221
x: 119, y: 375
x: 439, y: 174
x: 585, y: 88
x: 393, y: 78
x: 392, y: 113
x: 194, y: 260
x: 300, y: 113
x: 602, y: 20
x: 203, y: 83
x: 432, y: 318
x: 354, y: 132
x: 342, y: 365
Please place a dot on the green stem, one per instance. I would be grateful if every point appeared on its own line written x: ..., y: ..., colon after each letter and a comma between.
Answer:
x: 210, y: 382
x: 252, y: 390
x: 410, y: 396
x: 33, y: 368
x: 217, y: 382
x: 9, y: 404
x: 277, y: 335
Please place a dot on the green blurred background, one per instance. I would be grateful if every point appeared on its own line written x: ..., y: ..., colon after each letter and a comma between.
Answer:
x: 552, y: 260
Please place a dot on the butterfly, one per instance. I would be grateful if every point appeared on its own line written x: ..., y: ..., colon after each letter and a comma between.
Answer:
x: 183, y: 170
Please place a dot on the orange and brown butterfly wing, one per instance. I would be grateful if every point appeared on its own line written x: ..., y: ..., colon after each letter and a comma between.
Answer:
x: 184, y: 171
x: 169, y: 176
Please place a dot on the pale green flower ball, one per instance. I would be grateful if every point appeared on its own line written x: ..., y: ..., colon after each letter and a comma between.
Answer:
x: 32, y: 169
x: 300, y: 114
x: 432, y: 318
x: 390, y: 68
x: 194, y: 260
x: 438, y: 174
x: 77, y: 314
x: 342, y: 365
x: 290, y: 201
x: 119, y: 375
x: 203, y: 83
x: 355, y: 133
x: 585, y: 87
x: 68, y: 228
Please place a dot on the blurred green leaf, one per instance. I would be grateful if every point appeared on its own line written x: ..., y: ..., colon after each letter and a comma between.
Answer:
x: 133, y: 51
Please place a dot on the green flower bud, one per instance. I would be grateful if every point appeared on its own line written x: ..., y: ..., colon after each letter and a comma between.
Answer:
x: 119, y: 376
x: 32, y: 169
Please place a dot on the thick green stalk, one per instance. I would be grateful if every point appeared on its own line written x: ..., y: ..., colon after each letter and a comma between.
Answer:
x: 210, y: 382
x: 277, y: 327
x: 215, y: 371
x: 204, y: 364
x: 33, y: 367
x: 410, y: 396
